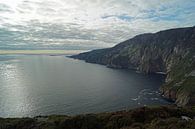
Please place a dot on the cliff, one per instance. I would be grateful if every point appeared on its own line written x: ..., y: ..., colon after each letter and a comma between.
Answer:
x: 171, y: 52
x: 140, y: 118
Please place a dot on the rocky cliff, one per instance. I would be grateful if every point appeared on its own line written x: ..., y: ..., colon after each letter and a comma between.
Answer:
x: 171, y: 52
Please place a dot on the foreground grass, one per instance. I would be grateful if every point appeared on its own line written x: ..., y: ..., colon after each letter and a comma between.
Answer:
x: 164, y: 117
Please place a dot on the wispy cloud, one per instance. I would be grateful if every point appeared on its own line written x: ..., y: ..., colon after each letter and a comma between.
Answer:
x: 86, y: 24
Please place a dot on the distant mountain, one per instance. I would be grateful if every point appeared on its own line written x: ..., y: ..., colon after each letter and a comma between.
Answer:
x: 171, y: 52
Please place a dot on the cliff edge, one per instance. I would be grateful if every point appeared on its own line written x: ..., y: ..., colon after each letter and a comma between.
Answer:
x: 171, y: 52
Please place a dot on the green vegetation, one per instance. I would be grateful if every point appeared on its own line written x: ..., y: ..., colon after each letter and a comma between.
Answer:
x: 163, y: 117
x: 190, y: 83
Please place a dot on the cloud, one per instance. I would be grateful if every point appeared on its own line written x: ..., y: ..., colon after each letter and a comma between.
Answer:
x: 86, y: 24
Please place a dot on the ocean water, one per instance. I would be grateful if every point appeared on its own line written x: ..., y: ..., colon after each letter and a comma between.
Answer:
x: 32, y: 85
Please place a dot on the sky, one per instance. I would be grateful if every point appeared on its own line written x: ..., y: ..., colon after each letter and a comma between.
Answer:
x: 86, y: 24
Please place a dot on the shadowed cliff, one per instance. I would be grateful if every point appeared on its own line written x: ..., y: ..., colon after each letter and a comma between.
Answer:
x: 171, y: 52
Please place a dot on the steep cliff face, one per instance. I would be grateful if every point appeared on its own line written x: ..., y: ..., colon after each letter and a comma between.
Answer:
x: 171, y: 52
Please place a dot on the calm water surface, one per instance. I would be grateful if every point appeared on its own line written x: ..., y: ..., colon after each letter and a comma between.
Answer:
x: 34, y: 85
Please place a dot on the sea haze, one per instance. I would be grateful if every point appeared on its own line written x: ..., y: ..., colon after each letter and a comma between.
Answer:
x: 32, y: 85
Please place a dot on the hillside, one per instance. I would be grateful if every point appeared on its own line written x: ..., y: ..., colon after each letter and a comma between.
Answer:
x: 140, y: 118
x: 171, y: 52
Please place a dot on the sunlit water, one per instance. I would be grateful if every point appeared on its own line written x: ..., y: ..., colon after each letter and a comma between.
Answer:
x: 41, y: 85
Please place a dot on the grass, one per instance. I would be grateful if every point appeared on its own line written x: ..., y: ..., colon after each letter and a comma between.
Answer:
x: 162, y: 117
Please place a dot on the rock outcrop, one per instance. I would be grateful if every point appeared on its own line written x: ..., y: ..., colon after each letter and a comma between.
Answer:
x: 171, y: 52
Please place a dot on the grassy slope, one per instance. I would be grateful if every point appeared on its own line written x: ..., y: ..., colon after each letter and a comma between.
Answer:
x: 140, y: 118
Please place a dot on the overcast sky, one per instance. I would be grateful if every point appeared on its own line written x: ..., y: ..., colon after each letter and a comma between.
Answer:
x: 86, y: 24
